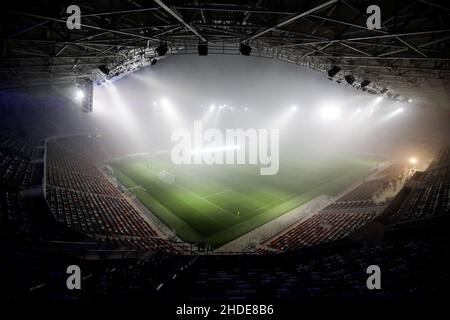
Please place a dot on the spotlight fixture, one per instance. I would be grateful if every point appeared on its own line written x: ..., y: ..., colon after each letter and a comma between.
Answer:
x: 202, y: 49
x: 134, y: 61
x: 384, y: 90
x: 104, y: 70
x: 350, y: 79
x: 84, y: 94
x: 162, y: 49
x: 333, y: 71
x: 79, y: 94
x: 331, y: 113
x: 365, y: 83
x: 404, y: 100
x: 245, y: 49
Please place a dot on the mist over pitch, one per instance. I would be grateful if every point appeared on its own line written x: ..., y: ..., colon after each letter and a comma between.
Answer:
x: 232, y: 92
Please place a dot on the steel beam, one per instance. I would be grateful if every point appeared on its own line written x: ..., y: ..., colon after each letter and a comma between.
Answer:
x: 292, y: 19
x: 180, y: 19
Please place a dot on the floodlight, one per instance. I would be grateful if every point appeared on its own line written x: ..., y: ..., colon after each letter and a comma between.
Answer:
x: 350, y: 79
x: 392, y: 114
x: 84, y: 95
x: 331, y: 113
x: 356, y: 112
x: 202, y: 49
x: 333, y: 71
x: 245, y: 49
x: 413, y: 160
x: 164, y: 102
x: 365, y: 83
x: 104, y: 69
x: 162, y: 49
x: 79, y: 94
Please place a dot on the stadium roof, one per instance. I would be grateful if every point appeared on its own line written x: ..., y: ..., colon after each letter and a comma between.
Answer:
x: 410, y: 54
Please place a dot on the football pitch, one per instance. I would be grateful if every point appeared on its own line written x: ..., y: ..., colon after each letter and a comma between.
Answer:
x: 218, y: 203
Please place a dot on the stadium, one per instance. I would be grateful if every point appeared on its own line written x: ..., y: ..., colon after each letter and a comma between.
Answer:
x: 187, y: 154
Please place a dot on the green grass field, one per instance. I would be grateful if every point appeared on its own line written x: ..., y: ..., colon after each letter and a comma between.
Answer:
x: 203, y: 203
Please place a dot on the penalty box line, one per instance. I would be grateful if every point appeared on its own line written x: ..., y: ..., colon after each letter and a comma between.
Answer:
x: 204, y: 199
x: 217, y: 193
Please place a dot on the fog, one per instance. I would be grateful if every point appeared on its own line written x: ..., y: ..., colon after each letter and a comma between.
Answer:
x: 248, y: 92
x: 142, y: 109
